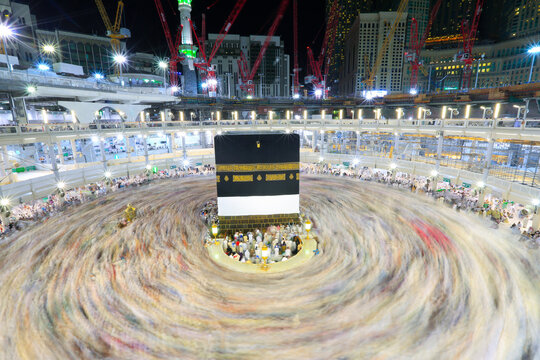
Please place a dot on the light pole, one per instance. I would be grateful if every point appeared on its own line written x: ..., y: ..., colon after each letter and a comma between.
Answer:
x: 164, y: 66
x: 307, y: 226
x: 5, y: 33
x: 485, y: 109
x: 120, y: 60
x: 535, y: 50
x: 215, y: 233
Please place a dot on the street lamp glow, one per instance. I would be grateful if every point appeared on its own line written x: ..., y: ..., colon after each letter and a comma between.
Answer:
x: 534, y: 50
x: 413, y: 92
x: 249, y: 97
x: 318, y: 93
x: 163, y: 65
x: 108, y: 174
x: 393, y: 166
x: 148, y: 167
x: 185, y: 162
x: 4, y: 202
x: 296, y: 96
x: 31, y: 89
x: 119, y: 59
x: 43, y: 67
x: 321, y: 159
x: 98, y: 76
x: 61, y: 185
x: 48, y: 48
x: 536, y: 202
x: 434, y: 173
x: 174, y: 89
x: 480, y: 184
x: 5, y: 31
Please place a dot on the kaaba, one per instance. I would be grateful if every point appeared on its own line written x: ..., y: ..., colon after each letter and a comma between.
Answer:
x: 258, y: 180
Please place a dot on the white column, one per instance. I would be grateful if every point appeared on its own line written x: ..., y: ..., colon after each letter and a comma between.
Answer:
x: 52, y: 159
x: 487, y: 163
x: 172, y: 143
x: 145, y: 140
x: 73, y: 150
x: 396, y: 146
x: 60, y: 152
x: 440, y: 142
x: 184, y: 152
x: 102, y: 148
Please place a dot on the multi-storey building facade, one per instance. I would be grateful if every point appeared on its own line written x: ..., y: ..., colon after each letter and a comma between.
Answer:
x: 497, y: 64
x: 348, y: 12
x: 273, y: 76
x: 364, y: 43
x: 524, y: 18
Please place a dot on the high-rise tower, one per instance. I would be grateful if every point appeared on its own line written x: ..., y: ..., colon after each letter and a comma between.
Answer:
x: 189, y: 75
x: 186, y: 48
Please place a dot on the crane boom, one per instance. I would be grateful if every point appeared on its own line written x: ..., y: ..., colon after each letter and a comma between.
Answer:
x: 296, y: 70
x: 176, y: 56
x: 226, y: 27
x: 118, y: 20
x: 104, y: 16
x: 469, y: 37
x: 208, y: 72
x: 247, y: 81
x: 382, y: 51
x: 319, y: 74
x: 416, y: 45
x: 113, y: 30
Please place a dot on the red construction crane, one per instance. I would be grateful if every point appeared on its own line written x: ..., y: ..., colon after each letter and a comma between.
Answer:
x: 208, y: 72
x: 318, y: 77
x: 469, y: 37
x: 246, y: 75
x: 296, y: 69
x: 176, y: 56
x: 416, y: 45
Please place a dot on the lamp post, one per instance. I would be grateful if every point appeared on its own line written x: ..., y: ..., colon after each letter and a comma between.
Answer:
x: 5, y: 33
x: 215, y: 233
x: 164, y: 66
x: 535, y: 50
x: 307, y: 226
x: 265, y: 253
x: 120, y: 60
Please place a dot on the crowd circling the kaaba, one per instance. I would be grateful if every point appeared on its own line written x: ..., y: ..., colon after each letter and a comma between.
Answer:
x: 24, y: 214
x: 499, y: 211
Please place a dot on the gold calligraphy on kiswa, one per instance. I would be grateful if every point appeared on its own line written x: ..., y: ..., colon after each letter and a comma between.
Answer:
x: 275, y: 177
x: 242, y: 178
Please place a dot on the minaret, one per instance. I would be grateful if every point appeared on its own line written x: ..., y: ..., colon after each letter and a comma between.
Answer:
x: 187, y: 48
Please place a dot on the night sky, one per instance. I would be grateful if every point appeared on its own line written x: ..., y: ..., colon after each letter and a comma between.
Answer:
x: 147, y: 35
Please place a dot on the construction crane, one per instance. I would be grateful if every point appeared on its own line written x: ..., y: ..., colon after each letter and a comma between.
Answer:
x: 416, y: 45
x: 246, y: 75
x: 469, y: 37
x: 114, y: 31
x: 318, y: 77
x: 208, y: 72
x: 296, y: 69
x: 370, y: 81
x: 176, y: 55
